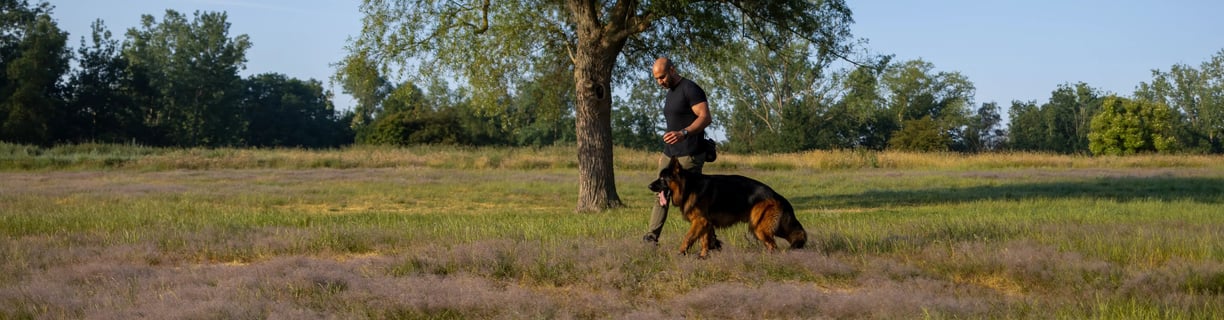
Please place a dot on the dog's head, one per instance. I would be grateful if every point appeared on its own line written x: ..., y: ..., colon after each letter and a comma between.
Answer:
x: 670, y: 181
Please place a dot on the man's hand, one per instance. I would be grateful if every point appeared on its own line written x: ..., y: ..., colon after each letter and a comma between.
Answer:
x: 673, y: 137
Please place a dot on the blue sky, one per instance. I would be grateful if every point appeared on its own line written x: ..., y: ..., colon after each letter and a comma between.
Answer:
x: 1022, y: 50
x: 1010, y: 50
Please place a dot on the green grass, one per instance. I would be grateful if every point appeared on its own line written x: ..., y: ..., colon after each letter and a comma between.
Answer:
x: 444, y: 232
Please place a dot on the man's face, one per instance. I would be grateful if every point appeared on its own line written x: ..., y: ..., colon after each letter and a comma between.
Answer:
x: 663, y: 76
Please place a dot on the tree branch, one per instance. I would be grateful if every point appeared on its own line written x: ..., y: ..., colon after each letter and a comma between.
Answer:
x: 484, y: 17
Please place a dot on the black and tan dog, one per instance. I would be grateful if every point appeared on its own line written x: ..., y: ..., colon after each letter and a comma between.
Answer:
x: 720, y: 201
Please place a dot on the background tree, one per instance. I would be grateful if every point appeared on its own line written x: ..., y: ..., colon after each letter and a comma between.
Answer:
x: 364, y: 81
x: 768, y: 99
x: 935, y: 101
x: 282, y: 111
x: 921, y: 135
x: 637, y: 123
x: 1068, y: 117
x: 983, y: 132
x: 1027, y: 129
x: 858, y: 119
x: 191, y: 71
x: 493, y: 46
x: 1198, y: 97
x: 1128, y: 126
x: 100, y: 103
x: 412, y: 116
x: 540, y: 113
x: 34, y: 57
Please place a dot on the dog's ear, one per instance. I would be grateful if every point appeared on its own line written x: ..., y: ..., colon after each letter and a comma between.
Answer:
x: 675, y: 166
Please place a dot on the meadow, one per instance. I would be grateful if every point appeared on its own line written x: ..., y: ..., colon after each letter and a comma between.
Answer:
x: 434, y: 232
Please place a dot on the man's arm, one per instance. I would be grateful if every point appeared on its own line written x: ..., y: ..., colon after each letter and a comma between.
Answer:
x: 703, y: 120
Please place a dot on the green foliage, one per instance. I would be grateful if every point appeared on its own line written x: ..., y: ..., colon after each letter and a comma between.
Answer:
x: 983, y: 131
x: 494, y: 47
x: 1027, y: 130
x: 637, y: 123
x: 362, y: 80
x: 1128, y: 126
x: 855, y: 120
x: 541, y: 112
x: 173, y: 82
x: 410, y: 116
x: 282, y: 111
x: 773, y: 95
x: 1060, y: 125
x: 937, y: 103
x: 921, y: 135
x: 915, y: 91
x: 101, y: 102
x: 782, y: 105
x: 194, y: 103
x: 440, y: 127
x: 33, y: 58
x: 1068, y: 117
x: 1198, y: 96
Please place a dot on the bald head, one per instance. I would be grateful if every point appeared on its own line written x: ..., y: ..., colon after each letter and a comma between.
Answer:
x: 664, y: 73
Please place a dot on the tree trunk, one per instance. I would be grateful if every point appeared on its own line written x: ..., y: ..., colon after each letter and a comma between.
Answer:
x: 594, y: 55
x: 596, y: 177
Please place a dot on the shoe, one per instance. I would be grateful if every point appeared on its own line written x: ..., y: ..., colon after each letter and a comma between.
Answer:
x: 651, y: 238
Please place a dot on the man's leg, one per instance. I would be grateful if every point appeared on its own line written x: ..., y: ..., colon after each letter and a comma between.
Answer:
x: 659, y: 214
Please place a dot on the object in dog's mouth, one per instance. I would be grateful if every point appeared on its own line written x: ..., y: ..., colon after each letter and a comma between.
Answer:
x: 662, y: 199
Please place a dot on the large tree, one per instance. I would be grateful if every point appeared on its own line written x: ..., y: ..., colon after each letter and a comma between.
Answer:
x: 493, y: 46
x: 33, y: 58
x: 190, y: 69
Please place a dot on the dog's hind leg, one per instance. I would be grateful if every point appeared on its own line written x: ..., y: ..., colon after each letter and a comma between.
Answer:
x: 764, y: 222
x: 707, y: 240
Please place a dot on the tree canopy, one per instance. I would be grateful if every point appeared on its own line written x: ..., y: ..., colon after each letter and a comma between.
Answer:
x: 497, y: 48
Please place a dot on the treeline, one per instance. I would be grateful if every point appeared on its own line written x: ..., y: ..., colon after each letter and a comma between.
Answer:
x: 172, y: 82
x: 175, y: 82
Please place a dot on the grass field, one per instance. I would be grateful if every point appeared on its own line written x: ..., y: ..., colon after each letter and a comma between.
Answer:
x: 121, y: 232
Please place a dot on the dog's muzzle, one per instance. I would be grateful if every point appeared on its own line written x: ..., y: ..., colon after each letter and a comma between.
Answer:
x: 665, y: 193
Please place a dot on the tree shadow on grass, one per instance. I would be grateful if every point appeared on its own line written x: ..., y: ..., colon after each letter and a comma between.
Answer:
x: 1202, y: 190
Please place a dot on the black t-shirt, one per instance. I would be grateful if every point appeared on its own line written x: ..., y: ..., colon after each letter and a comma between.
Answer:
x: 678, y: 111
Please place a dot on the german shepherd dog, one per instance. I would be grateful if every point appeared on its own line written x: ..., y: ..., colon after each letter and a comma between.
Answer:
x: 720, y: 201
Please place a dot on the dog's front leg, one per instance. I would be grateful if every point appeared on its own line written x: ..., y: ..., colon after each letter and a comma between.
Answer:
x: 696, y: 227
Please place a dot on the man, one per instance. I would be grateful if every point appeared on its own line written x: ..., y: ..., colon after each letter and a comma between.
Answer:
x: 687, y: 114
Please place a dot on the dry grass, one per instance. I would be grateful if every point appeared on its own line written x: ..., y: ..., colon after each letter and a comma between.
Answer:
x: 91, y: 156
x: 438, y: 233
